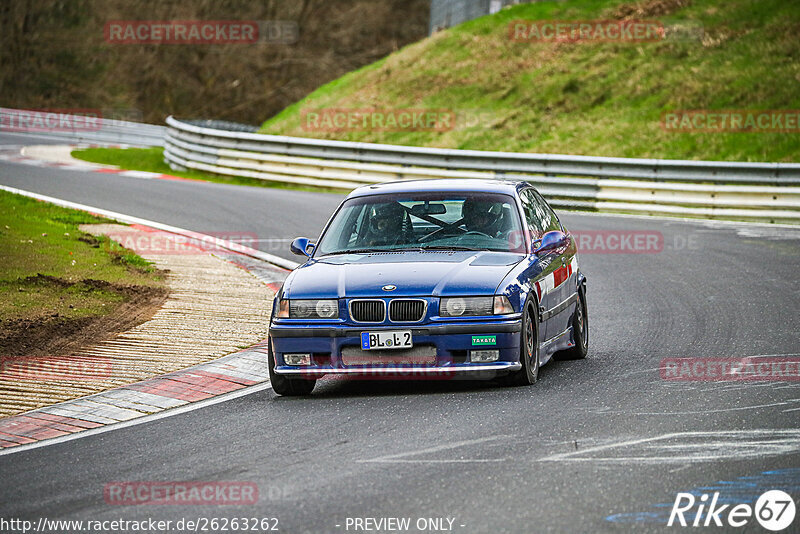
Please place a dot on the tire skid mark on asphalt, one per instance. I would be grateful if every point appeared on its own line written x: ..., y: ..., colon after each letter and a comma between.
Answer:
x: 692, y: 412
x: 403, y: 456
x: 679, y: 447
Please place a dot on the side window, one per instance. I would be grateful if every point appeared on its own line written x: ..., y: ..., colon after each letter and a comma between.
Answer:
x: 549, y: 218
x: 533, y: 215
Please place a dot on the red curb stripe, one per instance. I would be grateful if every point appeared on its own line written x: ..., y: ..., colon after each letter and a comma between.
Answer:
x: 235, y: 380
x: 16, y: 439
x: 144, y: 228
x: 20, y: 429
x: 176, y: 384
x: 167, y: 390
x: 15, y: 427
x: 49, y: 424
x: 108, y: 171
x: 23, y: 429
x: 205, y: 379
x: 199, y: 383
x: 217, y: 387
x: 80, y: 423
x: 221, y: 386
x: 162, y: 385
x: 176, y: 178
x: 47, y: 433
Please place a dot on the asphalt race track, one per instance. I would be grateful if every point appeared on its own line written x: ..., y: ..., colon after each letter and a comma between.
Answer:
x: 595, y: 445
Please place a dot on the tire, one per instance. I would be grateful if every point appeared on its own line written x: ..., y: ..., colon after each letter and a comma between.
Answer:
x: 580, y: 331
x: 528, y: 352
x: 288, y: 387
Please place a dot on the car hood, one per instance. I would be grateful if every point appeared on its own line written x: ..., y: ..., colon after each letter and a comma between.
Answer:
x: 413, y: 273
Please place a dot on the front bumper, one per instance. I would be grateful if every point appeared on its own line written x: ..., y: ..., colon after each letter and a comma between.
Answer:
x: 451, y: 342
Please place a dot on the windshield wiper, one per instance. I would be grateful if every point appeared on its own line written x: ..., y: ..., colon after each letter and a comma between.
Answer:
x: 448, y: 247
x: 414, y: 249
x: 358, y: 251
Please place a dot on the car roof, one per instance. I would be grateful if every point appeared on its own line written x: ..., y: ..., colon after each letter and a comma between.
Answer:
x: 509, y: 187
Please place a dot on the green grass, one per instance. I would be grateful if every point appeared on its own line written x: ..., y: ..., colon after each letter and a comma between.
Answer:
x: 590, y: 98
x: 152, y: 160
x: 52, y: 269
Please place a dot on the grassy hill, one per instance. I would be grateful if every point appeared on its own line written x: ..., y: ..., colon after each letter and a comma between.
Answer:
x: 590, y: 98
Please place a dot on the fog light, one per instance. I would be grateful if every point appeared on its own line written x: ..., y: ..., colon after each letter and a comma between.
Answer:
x: 297, y: 359
x: 483, y: 356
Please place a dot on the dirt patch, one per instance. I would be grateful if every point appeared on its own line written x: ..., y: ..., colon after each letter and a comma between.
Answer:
x: 651, y: 8
x: 58, y: 335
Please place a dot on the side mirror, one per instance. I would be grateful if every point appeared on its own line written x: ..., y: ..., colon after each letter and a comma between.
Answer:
x: 302, y: 246
x: 552, y: 241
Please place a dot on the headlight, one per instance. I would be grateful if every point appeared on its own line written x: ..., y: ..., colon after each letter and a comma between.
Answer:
x: 310, y: 309
x: 473, y: 306
x: 466, y: 306
x: 327, y: 308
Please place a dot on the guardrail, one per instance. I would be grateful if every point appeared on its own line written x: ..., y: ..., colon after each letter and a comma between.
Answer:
x: 708, y: 189
x: 76, y: 129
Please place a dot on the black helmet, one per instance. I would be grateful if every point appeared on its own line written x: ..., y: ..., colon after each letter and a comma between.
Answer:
x: 482, y: 216
x: 386, y: 220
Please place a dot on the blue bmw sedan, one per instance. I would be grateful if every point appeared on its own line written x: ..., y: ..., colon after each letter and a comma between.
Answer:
x: 431, y: 279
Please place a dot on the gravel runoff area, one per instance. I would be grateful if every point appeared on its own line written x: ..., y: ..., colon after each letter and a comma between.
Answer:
x: 214, y: 308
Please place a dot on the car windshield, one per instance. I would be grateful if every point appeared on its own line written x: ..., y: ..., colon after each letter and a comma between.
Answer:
x: 439, y: 221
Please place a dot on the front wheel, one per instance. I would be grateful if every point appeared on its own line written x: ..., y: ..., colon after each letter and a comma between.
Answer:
x: 580, y: 331
x: 289, y: 387
x: 528, y: 352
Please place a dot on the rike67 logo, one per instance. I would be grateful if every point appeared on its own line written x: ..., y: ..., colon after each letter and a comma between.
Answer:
x: 774, y: 510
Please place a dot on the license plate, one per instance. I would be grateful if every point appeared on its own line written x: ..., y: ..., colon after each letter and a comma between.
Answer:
x: 386, y: 340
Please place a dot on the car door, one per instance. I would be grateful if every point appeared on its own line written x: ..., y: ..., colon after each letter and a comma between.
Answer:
x: 562, y: 274
x: 537, y: 221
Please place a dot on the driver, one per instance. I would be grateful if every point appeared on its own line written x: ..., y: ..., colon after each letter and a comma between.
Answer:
x: 482, y: 216
x: 386, y: 223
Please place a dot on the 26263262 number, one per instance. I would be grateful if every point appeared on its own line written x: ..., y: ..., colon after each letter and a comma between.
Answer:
x: 237, y: 524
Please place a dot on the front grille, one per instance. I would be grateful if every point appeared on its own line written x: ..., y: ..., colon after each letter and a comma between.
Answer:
x: 368, y: 311
x: 418, y: 355
x: 406, y: 311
